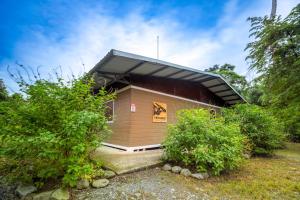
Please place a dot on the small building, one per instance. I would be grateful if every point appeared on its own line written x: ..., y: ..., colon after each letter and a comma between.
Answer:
x: 149, y: 92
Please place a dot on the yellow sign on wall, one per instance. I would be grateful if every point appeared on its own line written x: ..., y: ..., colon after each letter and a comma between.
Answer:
x: 159, y: 112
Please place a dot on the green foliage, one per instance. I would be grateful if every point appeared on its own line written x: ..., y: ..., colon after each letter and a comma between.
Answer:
x: 50, y: 132
x: 208, y: 143
x: 262, y: 129
x: 3, y: 91
x: 274, y: 53
x: 254, y: 92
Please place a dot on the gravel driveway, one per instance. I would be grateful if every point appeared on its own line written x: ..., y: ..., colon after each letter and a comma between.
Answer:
x: 148, y: 184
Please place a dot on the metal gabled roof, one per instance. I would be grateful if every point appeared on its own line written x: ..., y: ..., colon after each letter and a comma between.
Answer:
x: 119, y: 64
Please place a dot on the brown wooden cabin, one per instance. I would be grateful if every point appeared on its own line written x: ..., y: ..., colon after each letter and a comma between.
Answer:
x: 150, y: 91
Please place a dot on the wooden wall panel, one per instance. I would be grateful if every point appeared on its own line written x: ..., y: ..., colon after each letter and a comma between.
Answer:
x: 121, y: 124
x: 145, y: 132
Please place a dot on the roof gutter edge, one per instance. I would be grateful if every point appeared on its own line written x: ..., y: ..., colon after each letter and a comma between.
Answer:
x: 233, y: 88
x: 114, y: 52
x: 106, y: 57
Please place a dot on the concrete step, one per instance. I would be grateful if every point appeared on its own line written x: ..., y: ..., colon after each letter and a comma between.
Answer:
x: 122, y: 162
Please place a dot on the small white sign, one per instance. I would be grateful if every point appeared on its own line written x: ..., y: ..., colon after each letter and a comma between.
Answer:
x: 132, y: 107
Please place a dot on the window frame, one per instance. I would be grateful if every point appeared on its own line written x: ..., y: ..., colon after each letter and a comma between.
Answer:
x: 113, y: 112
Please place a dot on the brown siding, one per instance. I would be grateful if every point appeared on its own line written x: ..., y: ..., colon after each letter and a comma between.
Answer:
x: 145, y: 132
x: 136, y: 128
x: 121, y: 123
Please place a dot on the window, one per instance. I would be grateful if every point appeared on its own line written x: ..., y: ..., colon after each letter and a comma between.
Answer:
x: 110, y: 109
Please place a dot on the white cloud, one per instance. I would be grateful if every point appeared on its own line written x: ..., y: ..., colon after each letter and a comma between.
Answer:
x: 92, y: 35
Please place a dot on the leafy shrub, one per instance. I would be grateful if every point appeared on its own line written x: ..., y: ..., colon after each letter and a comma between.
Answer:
x: 263, y: 130
x: 290, y: 117
x: 205, y: 142
x: 50, y: 132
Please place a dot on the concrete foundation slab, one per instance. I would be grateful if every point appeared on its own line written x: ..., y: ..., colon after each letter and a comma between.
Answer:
x: 123, y: 162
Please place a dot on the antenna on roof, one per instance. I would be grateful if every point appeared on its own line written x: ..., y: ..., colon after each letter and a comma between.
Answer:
x: 157, y: 43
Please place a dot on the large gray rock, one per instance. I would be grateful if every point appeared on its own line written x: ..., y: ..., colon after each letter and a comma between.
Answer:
x: 185, y: 172
x: 100, y: 183
x: 109, y: 174
x: 200, y: 175
x: 23, y: 191
x: 42, y: 195
x: 176, y: 169
x: 83, y: 184
x: 167, y: 167
x: 60, y: 194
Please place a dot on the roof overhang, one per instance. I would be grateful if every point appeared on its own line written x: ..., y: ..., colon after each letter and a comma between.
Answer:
x: 117, y: 64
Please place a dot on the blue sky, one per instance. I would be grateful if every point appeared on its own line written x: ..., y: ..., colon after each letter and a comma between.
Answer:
x: 197, y: 34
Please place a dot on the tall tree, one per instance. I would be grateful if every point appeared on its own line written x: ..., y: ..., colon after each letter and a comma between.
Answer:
x: 274, y: 54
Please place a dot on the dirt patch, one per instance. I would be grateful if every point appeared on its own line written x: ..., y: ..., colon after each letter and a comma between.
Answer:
x: 147, y: 184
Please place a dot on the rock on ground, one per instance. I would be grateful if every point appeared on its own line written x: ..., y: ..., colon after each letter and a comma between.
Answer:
x: 185, y: 172
x: 100, y: 183
x: 147, y: 184
x: 138, y: 195
x: 200, y: 175
x: 42, y: 195
x: 60, y: 194
x: 109, y: 174
x: 247, y: 156
x: 83, y: 184
x: 23, y: 191
x: 167, y: 167
x: 176, y: 169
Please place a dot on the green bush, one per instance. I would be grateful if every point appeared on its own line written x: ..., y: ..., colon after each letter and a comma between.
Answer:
x: 50, y: 130
x: 290, y: 117
x: 205, y: 142
x: 263, y: 130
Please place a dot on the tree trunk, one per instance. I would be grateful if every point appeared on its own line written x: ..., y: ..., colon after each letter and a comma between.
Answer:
x: 274, y: 7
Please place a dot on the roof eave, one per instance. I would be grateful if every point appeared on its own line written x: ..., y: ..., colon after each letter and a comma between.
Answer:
x: 114, y: 52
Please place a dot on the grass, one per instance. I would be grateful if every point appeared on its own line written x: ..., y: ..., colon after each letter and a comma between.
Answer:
x: 277, y: 177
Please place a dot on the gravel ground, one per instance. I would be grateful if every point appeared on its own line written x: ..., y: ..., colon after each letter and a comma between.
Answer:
x: 148, y: 184
x: 7, y: 192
